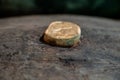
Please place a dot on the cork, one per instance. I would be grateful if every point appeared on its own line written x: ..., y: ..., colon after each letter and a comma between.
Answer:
x: 62, y: 33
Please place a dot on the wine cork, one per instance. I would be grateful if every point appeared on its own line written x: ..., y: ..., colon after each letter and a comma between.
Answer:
x: 62, y: 33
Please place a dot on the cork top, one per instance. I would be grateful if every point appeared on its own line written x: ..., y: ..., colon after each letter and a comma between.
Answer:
x: 63, y: 30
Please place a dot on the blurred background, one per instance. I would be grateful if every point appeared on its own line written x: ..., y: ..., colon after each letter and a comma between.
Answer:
x: 102, y: 8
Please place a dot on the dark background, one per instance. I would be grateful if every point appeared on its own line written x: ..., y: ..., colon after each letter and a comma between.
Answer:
x: 102, y: 8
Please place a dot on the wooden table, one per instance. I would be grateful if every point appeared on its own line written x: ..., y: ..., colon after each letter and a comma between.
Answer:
x: 23, y: 56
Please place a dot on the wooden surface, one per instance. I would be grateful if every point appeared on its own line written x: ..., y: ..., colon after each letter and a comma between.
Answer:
x: 23, y: 56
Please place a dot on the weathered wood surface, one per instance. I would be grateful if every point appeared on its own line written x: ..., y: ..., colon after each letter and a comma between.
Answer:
x: 24, y: 57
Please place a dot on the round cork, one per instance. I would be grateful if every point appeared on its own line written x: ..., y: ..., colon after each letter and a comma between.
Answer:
x: 62, y: 33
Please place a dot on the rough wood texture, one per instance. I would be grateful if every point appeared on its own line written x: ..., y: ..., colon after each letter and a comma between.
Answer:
x: 24, y: 57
